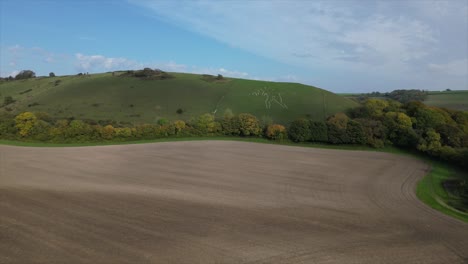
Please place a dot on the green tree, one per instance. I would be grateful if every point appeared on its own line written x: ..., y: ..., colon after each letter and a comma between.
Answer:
x: 318, y: 131
x: 337, y: 125
x: 249, y: 125
x: 374, y: 132
x: 399, y: 129
x: 375, y: 107
x: 25, y: 74
x: 430, y: 142
x: 206, y: 124
x: 355, y: 132
x: 299, y: 130
x: 231, y: 125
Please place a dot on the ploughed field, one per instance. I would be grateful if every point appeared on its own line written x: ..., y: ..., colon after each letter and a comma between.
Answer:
x: 218, y: 202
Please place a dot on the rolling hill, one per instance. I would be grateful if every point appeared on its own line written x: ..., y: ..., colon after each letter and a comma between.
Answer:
x: 184, y: 96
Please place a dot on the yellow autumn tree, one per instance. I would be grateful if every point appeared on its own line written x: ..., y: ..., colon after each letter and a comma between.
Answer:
x: 25, y: 123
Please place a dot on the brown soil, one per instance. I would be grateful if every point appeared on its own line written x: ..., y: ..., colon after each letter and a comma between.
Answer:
x: 218, y: 202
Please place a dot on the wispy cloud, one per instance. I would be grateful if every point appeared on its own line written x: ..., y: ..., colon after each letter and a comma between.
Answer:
x: 368, y: 37
x: 95, y: 62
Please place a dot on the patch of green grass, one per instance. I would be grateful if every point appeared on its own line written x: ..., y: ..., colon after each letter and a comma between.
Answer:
x: 156, y: 99
x: 430, y: 189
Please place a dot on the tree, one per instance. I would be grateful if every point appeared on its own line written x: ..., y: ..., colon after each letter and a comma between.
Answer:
x: 374, y: 132
x: 179, y: 125
x: 399, y: 129
x: 337, y: 125
x: 51, y: 74
x: 299, y: 130
x: 231, y: 124
x: 375, y: 107
x: 451, y: 135
x: 355, y: 132
x: 7, y: 127
x: 107, y: 132
x: 206, y: 124
x: 25, y: 74
x: 276, y: 132
x: 249, y: 125
x: 430, y: 142
x: 25, y: 123
x: 318, y: 131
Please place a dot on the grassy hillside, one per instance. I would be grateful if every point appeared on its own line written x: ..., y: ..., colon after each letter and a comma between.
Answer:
x: 104, y: 96
x: 453, y: 100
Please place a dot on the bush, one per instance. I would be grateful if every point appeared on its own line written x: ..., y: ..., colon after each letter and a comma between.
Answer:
x: 231, y: 125
x: 337, y: 125
x: 206, y: 124
x: 180, y: 111
x: 299, y: 130
x: 276, y: 132
x: 318, y: 131
x: 51, y: 74
x: 25, y: 123
x: 355, y: 133
x: 249, y: 125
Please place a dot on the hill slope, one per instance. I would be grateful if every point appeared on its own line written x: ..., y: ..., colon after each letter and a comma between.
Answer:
x: 104, y: 96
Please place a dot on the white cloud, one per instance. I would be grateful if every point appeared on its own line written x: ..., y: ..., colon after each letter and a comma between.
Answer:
x: 366, y: 40
x: 97, y: 62
x: 455, y: 67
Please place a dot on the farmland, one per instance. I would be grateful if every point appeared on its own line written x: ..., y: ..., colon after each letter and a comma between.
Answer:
x: 218, y: 202
x: 185, y: 96
x: 449, y: 99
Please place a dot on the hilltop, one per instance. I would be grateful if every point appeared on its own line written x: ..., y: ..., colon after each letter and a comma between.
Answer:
x: 123, y: 97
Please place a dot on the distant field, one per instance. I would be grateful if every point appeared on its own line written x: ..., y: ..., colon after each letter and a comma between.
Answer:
x: 103, y: 96
x: 453, y: 100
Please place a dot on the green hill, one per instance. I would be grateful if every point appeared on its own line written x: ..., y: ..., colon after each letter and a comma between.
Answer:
x: 123, y: 98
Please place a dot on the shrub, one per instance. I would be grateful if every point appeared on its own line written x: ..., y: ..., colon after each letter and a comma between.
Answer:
x: 276, y: 132
x: 299, y: 130
x: 180, y: 111
x: 231, y: 125
x: 337, y: 125
x: 249, y: 125
x: 25, y: 123
x: 318, y: 131
x: 206, y: 124
x: 179, y: 125
x: 51, y: 74
x: 355, y: 133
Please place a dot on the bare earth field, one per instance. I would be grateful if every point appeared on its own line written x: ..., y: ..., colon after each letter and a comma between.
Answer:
x: 218, y: 202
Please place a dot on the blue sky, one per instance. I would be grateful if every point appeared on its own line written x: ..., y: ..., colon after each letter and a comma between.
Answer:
x: 339, y: 45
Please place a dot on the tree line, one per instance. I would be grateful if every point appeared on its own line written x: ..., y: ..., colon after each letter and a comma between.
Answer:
x: 437, y: 132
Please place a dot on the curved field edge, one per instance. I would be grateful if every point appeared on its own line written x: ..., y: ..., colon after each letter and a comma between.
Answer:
x: 429, y: 189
